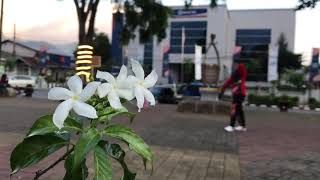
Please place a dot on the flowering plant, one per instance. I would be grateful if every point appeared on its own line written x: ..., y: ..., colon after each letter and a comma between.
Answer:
x: 98, y: 102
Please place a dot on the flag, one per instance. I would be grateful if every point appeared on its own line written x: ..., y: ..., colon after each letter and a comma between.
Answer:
x: 314, y: 67
x: 165, y: 63
x: 183, y: 40
x: 273, y: 63
x: 197, y: 62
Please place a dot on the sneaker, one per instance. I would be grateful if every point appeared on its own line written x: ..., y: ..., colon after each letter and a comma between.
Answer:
x: 240, y: 128
x: 229, y: 129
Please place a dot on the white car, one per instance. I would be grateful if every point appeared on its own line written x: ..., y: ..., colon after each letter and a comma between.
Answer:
x: 21, y: 81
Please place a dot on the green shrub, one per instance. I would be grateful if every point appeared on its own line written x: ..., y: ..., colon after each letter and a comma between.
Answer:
x: 313, y: 103
x: 271, y: 100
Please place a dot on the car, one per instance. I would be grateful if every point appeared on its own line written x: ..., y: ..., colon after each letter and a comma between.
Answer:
x: 191, y: 90
x: 166, y: 95
x: 21, y: 81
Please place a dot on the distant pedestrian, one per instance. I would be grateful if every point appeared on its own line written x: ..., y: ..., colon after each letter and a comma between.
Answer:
x: 4, y: 84
x: 237, y: 82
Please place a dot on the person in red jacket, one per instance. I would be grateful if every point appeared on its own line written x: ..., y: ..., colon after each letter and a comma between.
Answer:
x: 237, y: 82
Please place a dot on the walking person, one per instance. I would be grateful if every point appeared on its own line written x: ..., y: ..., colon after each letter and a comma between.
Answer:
x: 237, y: 82
x: 4, y: 85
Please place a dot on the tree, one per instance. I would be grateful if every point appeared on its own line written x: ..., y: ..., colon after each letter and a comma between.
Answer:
x: 86, y: 11
x: 307, y: 4
x: 286, y: 58
x: 102, y: 47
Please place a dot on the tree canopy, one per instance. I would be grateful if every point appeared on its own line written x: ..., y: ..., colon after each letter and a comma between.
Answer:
x: 102, y: 47
x: 286, y: 58
x: 307, y: 4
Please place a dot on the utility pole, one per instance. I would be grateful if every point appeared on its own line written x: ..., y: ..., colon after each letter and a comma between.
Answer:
x: 14, y: 41
x: 1, y: 24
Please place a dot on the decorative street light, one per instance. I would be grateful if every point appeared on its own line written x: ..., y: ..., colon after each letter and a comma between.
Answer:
x: 84, y: 61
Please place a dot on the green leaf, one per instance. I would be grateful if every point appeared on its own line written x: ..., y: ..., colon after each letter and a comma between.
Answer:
x: 135, y: 142
x: 33, y: 149
x: 80, y: 174
x: 115, y: 151
x: 109, y: 113
x: 86, y: 142
x: 44, y: 125
x: 102, y: 165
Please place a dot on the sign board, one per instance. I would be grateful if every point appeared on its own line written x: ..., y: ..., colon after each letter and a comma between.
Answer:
x: 273, y: 63
x: 96, y: 61
x: 190, y: 13
x: 197, y: 62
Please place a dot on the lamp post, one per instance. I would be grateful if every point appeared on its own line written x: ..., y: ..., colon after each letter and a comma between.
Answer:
x: 84, y: 61
x: 1, y: 24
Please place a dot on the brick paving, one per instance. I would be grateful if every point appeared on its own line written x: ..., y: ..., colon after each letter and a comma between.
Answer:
x: 186, y: 146
x: 280, y: 146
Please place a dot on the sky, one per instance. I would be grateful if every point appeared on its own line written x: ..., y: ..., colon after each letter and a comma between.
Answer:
x: 55, y: 21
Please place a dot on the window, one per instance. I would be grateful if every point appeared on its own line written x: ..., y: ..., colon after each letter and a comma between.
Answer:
x: 195, y: 33
x: 254, y: 51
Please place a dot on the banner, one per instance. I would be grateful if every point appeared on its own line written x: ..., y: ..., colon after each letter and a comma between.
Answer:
x: 273, y: 63
x: 165, y: 63
x: 314, y: 67
x: 236, y: 53
x: 197, y: 62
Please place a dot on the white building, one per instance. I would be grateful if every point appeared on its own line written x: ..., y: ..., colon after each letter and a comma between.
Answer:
x: 255, y: 31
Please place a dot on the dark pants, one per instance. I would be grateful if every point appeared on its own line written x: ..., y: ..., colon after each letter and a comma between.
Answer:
x: 237, y: 112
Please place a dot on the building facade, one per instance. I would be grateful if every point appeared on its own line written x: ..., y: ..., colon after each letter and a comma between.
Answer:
x: 21, y: 59
x: 251, y: 32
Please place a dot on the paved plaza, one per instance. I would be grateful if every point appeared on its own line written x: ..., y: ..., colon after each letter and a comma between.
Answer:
x: 186, y: 146
x: 191, y: 146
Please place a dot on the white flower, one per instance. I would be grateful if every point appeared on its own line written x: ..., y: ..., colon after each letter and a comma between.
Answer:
x: 115, y: 88
x: 142, y: 84
x: 74, y: 99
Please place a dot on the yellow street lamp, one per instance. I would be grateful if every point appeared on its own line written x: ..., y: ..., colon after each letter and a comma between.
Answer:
x: 84, y: 61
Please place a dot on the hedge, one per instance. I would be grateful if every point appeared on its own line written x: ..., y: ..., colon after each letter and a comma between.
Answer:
x: 271, y: 100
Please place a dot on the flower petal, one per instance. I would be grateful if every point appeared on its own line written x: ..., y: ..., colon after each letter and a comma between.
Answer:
x: 151, y: 79
x: 132, y: 81
x: 137, y: 69
x: 149, y: 97
x: 114, y: 100
x: 59, y: 93
x: 61, y: 113
x: 84, y: 109
x: 89, y: 91
x: 106, y: 76
x: 75, y: 84
x: 122, y: 74
x: 126, y: 94
x: 139, y: 93
x: 104, y: 89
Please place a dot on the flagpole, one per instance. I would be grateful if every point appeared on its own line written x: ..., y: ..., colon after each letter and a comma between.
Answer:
x: 1, y: 25
x: 182, y: 53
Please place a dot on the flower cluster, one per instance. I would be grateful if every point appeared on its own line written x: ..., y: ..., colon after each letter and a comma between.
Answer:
x: 124, y: 86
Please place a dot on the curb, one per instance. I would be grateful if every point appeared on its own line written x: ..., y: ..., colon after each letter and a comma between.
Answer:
x: 298, y: 108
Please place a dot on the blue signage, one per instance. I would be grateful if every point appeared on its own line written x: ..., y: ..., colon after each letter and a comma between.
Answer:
x: 116, y: 47
x: 190, y: 13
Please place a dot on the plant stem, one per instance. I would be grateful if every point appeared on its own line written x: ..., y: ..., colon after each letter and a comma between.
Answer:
x: 62, y: 158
